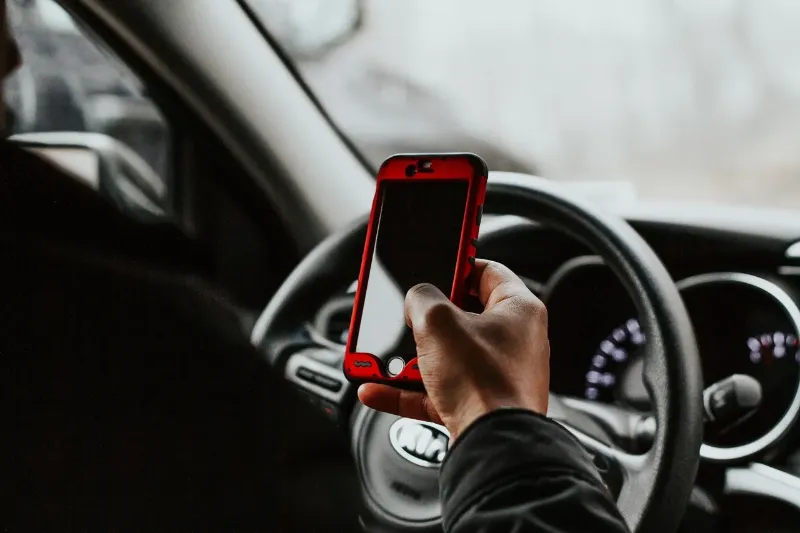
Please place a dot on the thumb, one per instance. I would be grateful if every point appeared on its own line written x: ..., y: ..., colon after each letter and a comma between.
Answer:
x: 430, y: 314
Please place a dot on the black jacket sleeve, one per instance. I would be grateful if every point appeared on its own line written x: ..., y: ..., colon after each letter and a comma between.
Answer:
x: 514, y: 470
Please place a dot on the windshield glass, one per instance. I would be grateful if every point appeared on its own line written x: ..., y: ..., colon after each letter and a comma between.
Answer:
x: 684, y: 100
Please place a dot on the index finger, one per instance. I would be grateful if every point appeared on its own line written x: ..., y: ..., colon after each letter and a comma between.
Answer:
x: 496, y: 283
x: 408, y: 404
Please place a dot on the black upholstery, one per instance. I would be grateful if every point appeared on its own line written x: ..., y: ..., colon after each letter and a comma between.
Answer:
x: 131, y: 399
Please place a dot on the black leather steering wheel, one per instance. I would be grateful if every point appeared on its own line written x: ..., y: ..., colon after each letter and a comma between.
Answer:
x: 653, y: 488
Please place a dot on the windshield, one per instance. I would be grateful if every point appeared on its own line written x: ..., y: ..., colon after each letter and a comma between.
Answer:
x: 684, y: 100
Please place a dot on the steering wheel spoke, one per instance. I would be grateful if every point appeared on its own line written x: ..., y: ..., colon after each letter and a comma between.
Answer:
x: 630, y: 429
x: 617, y: 468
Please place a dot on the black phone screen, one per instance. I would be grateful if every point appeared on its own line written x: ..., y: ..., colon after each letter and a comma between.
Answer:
x: 418, y: 227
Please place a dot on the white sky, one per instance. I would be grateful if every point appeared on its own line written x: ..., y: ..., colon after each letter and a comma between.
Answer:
x: 687, y: 99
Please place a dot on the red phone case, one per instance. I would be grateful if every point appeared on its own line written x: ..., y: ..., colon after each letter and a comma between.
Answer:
x: 365, y: 367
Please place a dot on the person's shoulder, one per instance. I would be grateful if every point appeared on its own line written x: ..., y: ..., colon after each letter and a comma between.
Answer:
x: 40, y: 200
x: 38, y: 196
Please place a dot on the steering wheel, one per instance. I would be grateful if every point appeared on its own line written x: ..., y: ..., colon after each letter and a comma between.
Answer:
x: 652, y: 488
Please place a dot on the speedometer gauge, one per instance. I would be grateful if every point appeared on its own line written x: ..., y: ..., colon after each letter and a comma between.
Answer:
x: 771, y: 348
x: 772, y: 357
x: 614, y: 367
x: 745, y: 324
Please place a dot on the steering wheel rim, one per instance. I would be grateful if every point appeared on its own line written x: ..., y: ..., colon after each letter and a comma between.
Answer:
x: 657, y: 484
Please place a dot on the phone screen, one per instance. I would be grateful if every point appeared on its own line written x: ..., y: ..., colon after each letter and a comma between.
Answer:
x: 418, y: 227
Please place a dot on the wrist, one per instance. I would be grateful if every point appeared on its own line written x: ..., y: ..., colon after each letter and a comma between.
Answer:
x: 472, y: 411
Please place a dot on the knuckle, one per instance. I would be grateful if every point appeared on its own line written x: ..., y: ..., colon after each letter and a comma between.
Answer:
x: 534, y: 308
x: 499, y: 268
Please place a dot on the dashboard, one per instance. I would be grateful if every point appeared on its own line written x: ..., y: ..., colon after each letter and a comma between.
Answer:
x: 738, y: 273
x: 740, y: 287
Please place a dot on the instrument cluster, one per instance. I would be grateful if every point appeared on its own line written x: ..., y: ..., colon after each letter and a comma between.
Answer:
x: 743, y: 323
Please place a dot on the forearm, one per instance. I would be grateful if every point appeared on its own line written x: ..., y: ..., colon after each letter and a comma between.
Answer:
x: 517, y: 471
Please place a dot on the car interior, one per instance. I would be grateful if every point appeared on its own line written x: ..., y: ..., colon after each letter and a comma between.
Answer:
x: 650, y: 303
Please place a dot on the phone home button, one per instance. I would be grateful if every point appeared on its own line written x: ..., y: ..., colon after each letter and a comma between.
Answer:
x: 395, y: 366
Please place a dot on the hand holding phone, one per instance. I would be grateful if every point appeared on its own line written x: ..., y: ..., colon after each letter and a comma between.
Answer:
x: 473, y: 364
x: 423, y: 229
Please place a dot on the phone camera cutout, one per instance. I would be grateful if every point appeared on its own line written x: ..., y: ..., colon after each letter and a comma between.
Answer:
x: 411, y: 171
x: 395, y: 366
x: 425, y: 166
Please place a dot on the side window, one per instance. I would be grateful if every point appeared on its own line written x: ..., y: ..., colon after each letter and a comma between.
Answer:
x: 67, y: 83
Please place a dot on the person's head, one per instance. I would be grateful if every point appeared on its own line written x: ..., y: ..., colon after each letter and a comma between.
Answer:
x: 9, y: 57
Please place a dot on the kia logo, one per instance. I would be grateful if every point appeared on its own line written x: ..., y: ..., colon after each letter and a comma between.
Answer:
x: 421, y: 443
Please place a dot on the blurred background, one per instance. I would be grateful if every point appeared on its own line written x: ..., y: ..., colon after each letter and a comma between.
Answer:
x: 683, y: 99
x: 678, y: 99
x: 68, y: 82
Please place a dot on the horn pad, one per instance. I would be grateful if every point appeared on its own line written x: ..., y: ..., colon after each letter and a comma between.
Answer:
x: 398, y: 460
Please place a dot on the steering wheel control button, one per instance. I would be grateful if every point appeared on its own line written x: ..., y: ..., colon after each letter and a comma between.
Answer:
x: 479, y: 216
x: 471, y: 260
x: 330, y: 410
x: 306, y: 374
x: 395, y: 366
x: 475, y: 243
x: 328, y: 383
x: 321, y: 380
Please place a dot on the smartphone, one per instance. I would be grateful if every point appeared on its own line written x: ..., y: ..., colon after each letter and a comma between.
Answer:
x: 423, y: 229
